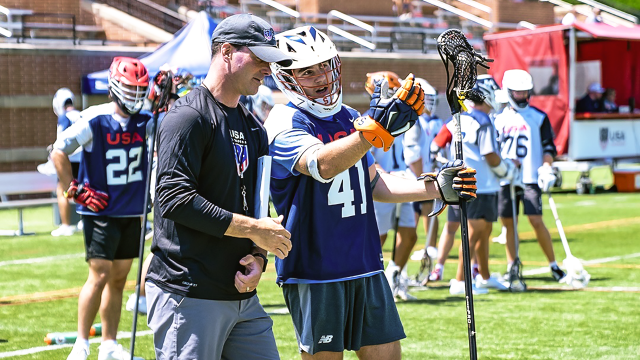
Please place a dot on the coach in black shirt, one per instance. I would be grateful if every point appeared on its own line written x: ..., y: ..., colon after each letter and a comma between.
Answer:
x: 209, y: 252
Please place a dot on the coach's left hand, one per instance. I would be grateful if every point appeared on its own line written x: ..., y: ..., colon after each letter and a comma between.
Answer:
x: 248, y: 281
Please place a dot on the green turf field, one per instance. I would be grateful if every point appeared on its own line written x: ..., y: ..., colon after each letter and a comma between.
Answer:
x: 41, y: 297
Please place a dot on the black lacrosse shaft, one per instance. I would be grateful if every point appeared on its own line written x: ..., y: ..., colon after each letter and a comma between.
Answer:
x: 466, y: 259
x: 396, y: 225
x: 143, y: 233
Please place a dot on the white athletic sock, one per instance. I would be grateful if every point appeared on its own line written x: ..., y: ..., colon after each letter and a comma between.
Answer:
x: 553, y: 264
x: 82, y: 342
x: 509, y: 265
x: 439, y: 267
x: 109, y: 343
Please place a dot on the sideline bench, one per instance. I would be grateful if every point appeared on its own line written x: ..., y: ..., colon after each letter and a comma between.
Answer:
x: 26, y: 182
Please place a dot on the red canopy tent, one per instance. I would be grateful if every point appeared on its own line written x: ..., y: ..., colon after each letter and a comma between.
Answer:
x: 555, y: 50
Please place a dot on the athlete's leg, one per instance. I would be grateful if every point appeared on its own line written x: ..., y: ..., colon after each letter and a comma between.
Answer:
x: 482, y: 250
x: 510, y: 247
x: 446, y: 241
x: 91, y: 293
x: 543, y: 236
x: 407, y: 238
x: 390, y: 351
x: 426, y: 209
x: 323, y: 355
x: 476, y: 230
x: 112, y: 298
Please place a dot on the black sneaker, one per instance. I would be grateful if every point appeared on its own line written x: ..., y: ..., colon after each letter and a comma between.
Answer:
x: 557, y: 273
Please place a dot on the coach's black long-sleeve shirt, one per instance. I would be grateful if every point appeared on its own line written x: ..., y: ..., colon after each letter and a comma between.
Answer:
x: 198, y: 189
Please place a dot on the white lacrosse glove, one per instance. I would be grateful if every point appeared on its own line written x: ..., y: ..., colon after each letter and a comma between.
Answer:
x: 506, y: 170
x: 546, y: 177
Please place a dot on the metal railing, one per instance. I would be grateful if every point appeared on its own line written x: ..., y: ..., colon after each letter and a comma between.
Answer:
x: 610, y: 10
x: 353, y: 21
x: 151, y: 13
x: 52, y: 28
x: 486, y: 23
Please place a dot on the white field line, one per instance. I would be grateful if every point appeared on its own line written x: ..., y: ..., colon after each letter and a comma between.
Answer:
x: 121, y: 335
x: 545, y: 269
x: 40, y: 259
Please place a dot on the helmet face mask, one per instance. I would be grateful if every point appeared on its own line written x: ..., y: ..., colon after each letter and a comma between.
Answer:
x: 316, y: 66
x: 128, y: 84
x: 487, y: 86
x: 430, y: 95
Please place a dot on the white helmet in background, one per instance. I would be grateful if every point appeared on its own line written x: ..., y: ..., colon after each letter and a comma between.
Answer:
x: 309, y: 46
x: 60, y: 98
x: 262, y: 102
x: 430, y: 95
x: 487, y: 86
x: 517, y: 80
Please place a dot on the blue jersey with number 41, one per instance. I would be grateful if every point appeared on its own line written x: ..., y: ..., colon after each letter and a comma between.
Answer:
x: 333, y: 226
x: 115, y: 162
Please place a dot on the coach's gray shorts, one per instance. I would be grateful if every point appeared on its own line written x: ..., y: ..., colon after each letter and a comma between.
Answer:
x: 343, y: 315
x: 187, y: 328
x: 485, y: 207
x: 531, y: 200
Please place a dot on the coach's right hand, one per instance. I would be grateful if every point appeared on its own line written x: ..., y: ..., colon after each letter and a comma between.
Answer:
x: 272, y: 236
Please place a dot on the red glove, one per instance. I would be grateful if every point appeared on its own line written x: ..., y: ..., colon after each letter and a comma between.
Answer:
x: 84, y: 195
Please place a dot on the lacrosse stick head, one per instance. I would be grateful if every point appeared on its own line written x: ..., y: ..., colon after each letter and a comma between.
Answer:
x: 577, y: 276
x: 454, y: 47
x: 516, y: 280
x: 160, y: 91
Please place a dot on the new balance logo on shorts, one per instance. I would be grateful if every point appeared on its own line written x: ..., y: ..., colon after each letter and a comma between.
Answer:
x: 325, y: 339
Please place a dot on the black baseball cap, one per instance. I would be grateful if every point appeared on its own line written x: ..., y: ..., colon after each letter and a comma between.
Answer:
x: 253, y: 32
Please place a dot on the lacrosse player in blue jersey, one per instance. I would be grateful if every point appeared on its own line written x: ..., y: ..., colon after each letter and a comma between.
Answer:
x: 109, y: 193
x: 324, y: 182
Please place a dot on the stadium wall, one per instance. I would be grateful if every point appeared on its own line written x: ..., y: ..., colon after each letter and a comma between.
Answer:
x: 32, y: 76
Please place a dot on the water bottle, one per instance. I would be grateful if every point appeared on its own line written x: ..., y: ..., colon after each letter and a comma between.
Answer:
x: 96, y: 330
x: 60, y: 338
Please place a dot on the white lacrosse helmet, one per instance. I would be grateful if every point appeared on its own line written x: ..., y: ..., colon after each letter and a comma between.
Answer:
x: 517, y: 80
x: 487, y: 86
x: 308, y: 46
x: 60, y: 98
x: 430, y: 95
x: 262, y: 102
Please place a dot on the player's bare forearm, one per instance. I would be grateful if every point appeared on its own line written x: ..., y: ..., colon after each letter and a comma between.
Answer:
x: 336, y: 156
x: 394, y: 189
x: 416, y: 167
x: 63, y: 167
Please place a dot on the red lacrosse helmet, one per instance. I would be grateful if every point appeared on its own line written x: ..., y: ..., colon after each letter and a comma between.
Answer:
x: 128, y: 83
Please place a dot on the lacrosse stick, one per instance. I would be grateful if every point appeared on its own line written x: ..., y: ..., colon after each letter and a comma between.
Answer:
x: 577, y: 276
x: 395, y: 275
x: 516, y: 280
x: 159, y: 92
x: 453, y: 47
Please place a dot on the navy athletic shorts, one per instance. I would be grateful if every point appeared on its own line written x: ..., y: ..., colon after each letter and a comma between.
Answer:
x: 111, y: 238
x: 344, y: 315
x: 531, y: 200
x: 485, y: 206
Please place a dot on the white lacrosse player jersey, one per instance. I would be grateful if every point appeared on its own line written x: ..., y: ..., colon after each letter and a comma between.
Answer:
x: 478, y: 140
x: 417, y: 141
x: 525, y: 135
